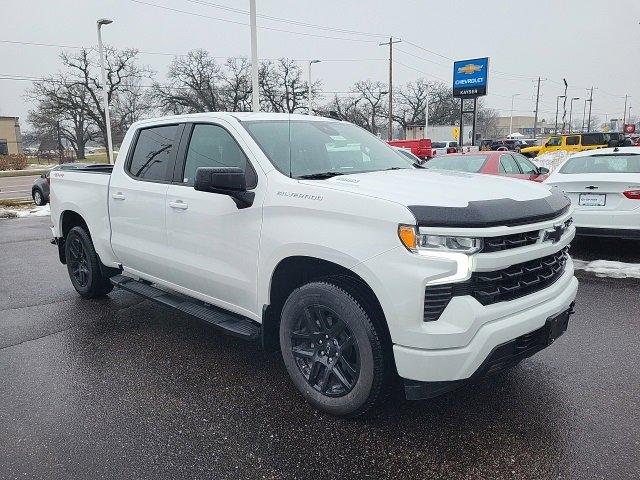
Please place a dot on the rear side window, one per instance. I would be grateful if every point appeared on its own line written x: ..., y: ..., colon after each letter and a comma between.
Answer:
x: 212, y: 146
x: 508, y: 165
x: 573, y: 140
x: 457, y: 163
x: 154, y: 153
x: 593, y: 139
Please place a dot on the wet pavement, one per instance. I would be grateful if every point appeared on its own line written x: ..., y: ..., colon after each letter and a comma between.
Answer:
x: 122, y: 388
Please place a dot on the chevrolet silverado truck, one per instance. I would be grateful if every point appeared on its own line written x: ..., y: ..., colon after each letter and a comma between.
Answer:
x: 316, y: 239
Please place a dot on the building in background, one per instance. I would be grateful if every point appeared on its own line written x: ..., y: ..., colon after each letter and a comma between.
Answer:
x: 523, y: 124
x: 10, y: 137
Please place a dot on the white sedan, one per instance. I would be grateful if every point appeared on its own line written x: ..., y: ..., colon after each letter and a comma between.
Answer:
x: 604, y: 187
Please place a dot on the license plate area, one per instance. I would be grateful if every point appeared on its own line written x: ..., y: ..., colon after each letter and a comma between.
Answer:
x: 556, y: 326
x: 592, y: 199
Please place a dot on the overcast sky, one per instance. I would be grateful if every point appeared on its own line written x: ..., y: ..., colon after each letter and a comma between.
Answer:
x: 588, y: 42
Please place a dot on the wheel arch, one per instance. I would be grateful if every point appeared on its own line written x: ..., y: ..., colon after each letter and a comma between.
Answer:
x: 294, y: 271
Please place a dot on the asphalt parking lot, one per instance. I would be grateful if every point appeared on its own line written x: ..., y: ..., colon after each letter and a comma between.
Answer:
x: 122, y: 388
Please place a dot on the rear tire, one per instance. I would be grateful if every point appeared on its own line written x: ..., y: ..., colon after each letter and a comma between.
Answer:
x: 332, y: 351
x: 83, y: 265
x: 38, y: 197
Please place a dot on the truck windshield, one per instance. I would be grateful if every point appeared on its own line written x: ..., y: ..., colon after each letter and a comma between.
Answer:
x: 321, y: 149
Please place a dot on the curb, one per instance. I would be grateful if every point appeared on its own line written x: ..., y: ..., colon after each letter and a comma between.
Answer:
x: 23, y: 173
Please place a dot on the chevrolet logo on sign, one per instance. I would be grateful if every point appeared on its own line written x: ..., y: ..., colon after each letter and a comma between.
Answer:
x: 469, y: 68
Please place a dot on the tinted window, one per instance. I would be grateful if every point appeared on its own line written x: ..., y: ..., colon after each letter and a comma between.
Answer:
x: 525, y: 165
x: 554, y: 142
x: 154, y: 152
x: 621, y: 163
x: 458, y: 163
x: 508, y: 165
x: 593, y: 139
x: 212, y: 146
x: 573, y: 140
x: 438, y: 144
x: 453, y: 144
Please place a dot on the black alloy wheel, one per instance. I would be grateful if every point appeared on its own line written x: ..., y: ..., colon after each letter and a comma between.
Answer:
x: 78, y: 262
x: 326, y: 351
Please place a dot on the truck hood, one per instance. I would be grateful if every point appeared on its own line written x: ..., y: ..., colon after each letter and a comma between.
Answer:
x: 444, y: 198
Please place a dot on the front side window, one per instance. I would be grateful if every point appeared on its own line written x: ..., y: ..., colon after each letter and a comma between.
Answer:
x: 303, y: 148
x: 573, y: 140
x: 457, y: 163
x: 212, y: 146
x: 438, y: 144
x: 554, y: 142
x: 153, y: 153
x: 508, y: 165
x: 525, y: 165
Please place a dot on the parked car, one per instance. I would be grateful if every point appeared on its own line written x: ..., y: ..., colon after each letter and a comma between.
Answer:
x: 349, y: 261
x: 420, y: 148
x: 410, y: 157
x: 442, y: 148
x: 604, y: 187
x: 508, y: 164
x: 573, y: 142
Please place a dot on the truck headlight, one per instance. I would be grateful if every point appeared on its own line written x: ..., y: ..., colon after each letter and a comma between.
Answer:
x: 419, y: 242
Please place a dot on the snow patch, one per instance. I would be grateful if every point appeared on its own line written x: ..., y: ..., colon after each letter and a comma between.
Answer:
x: 551, y: 160
x: 33, y: 211
x: 608, y: 268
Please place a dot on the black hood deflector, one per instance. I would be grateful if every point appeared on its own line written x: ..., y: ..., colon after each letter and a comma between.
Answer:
x: 493, y: 213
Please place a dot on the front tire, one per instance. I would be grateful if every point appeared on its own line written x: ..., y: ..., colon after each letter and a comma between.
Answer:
x: 83, y: 265
x: 332, y: 350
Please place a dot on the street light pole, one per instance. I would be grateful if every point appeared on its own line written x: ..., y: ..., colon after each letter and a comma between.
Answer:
x: 255, y: 93
x: 511, y: 117
x: 584, y: 113
x: 555, y: 130
x: 571, y: 112
x: 105, y: 94
x: 310, y: 100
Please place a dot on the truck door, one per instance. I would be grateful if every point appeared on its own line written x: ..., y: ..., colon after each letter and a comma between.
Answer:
x: 213, y: 244
x: 572, y: 143
x: 137, y: 198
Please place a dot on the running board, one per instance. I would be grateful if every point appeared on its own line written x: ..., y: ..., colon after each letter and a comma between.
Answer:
x: 228, y: 322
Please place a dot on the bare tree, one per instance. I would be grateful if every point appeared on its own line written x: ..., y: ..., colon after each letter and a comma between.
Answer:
x: 236, y: 85
x: 193, y: 85
x: 411, y: 102
x: 282, y: 88
x: 372, y: 104
x: 62, y: 105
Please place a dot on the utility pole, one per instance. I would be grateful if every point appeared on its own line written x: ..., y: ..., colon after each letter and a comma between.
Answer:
x: 390, y: 43
x: 590, y: 104
x: 584, y: 114
x: 426, y: 115
x: 511, y: 116
x: 571, y: 112
x: 105, y: 93
x: 535, y: 118
x: 564, y: 104
x: 624, y: 116
x: 310, y: 99
x: 555, y: 130
x: 255, y: 89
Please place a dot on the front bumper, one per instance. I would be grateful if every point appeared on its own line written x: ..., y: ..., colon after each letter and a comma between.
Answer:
x: 501, y: 357
x: 495, y: 325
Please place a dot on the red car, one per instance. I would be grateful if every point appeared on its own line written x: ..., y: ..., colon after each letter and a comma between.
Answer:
x: 509, y: 164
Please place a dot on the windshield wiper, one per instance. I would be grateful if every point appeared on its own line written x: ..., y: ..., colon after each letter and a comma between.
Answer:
x: 417, y: 165
x: 320, y: 175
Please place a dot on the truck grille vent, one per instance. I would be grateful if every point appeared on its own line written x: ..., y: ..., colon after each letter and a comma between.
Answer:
x: 498, y: 286
x: 505, y: 242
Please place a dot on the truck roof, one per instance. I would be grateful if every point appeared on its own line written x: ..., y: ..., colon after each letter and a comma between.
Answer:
x: 240, y: 116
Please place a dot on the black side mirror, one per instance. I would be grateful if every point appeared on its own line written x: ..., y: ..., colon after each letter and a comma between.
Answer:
x: 226, y: 181
x: 543, y: 170
x: 44, y: 175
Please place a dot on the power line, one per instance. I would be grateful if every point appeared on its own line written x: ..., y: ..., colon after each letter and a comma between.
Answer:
x: 286, y: 20
x: 226, y: 20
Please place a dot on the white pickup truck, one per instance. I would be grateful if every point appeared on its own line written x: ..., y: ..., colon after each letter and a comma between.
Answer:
x: 314, y: 237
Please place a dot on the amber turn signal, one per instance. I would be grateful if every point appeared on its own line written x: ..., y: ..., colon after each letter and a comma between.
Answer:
x: 407, y: 234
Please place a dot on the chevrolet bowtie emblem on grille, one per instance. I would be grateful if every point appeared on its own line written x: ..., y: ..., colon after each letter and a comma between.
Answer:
x: 554, y: 234
x: 591, y: 187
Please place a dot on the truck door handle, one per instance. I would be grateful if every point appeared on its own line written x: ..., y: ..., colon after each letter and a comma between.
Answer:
x: 179, y: 205
x: 118, y: 196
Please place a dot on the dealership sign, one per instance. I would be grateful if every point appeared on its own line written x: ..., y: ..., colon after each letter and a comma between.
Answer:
x: 470, y: 77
